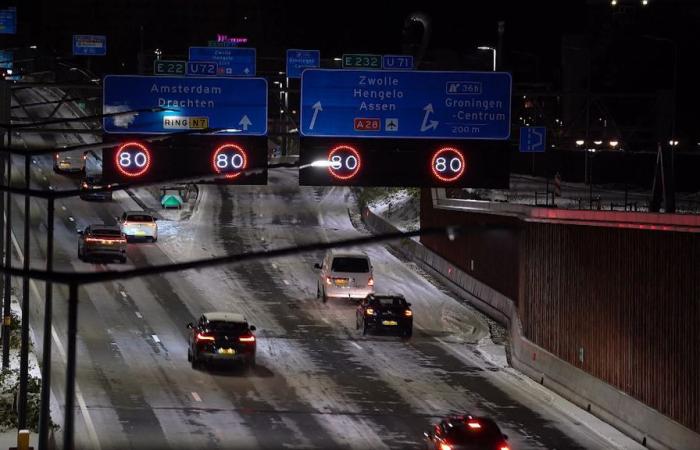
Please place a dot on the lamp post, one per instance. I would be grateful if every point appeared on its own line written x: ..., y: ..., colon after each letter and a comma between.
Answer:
x: 483, y: 47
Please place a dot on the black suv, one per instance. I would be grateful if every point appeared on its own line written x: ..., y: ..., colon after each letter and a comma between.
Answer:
x: 466, y: 432
x: 89, y: 186
x: 384, y: 312
x: 221, y: 337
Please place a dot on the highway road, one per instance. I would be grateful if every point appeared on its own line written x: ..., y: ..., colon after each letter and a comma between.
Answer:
x: 318, y: 382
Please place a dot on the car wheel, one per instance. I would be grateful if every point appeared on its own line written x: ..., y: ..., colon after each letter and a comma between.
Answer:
x: 357, y: 322
x: 189, y: 355
x: 325, y: 298
x: 364, y: 327
x: 408, y: 332
x: 154, y: 239
x: 122, y: 260
x: 195, y: 362
x: 318, y: 291
x: 251, y: 363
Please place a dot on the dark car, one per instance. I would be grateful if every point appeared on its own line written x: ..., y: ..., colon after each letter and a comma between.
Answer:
x: 385, y: 312
x: 89, y: 186
x: 221, y: 337
x: 466, y: 433
x: 103, y: 241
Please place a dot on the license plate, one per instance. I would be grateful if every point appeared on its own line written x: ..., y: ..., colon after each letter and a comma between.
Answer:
x: 389, y: 322
x: 140, y: 233
x: 227, y: 351
x: 341, y: 282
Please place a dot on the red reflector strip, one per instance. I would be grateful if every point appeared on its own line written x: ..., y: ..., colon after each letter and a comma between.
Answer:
x: 204, y: 337
x: 247, y: 338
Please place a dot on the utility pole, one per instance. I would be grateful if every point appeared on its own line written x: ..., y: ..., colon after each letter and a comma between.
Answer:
x: 499, y: 46
x: 5, y: 96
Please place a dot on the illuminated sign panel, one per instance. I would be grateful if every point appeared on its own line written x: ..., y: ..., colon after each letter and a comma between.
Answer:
x: 234, y: 160
x: 403, y: 162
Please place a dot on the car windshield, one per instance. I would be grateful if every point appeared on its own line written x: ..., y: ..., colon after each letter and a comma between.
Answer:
x: 227, y: 327
x: 139, y: 218
x: 387, y: 302
x: 105, y: 232
x: 350, y: 264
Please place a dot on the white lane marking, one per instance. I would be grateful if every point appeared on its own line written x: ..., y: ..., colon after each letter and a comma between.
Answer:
x: 138, y: 314
x: 123, y: 294
x: 71, y: 219
x: 356, y: 344
x: 78, y: 393
x: 326, y: 320
x: 155, y: 338
x: 63, y: 207
x: 196, y: 397
x: 286, y: 282
x: 274, y: 266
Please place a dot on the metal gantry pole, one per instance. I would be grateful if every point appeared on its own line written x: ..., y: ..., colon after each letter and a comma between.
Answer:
x: 24, y: 344
x: 7, y: 318
x: 69, y: 415
x: 44, y: 414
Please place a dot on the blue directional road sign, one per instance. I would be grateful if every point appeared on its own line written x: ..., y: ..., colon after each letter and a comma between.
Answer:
x: 89, y: 45
x: 298, y: 60
x: 232, y: 61
x: 405, y: 104
x: 238, y: 105
x: 6, y: 59
x: 397, y: 62
x: 8, y: 20
x: 533, y: 139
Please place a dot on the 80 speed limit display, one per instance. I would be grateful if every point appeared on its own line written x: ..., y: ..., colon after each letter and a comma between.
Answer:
x: 132, y: 159
x: 403, y: 162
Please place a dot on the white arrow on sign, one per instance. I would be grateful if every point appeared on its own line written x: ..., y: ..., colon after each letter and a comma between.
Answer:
x: 433, y: 123
x: 539, y: 141
x: 245, y: 122
x: 317, y: 107
x: 246, y: 71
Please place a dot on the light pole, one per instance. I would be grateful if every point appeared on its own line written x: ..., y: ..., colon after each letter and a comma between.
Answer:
x: 483, y: 47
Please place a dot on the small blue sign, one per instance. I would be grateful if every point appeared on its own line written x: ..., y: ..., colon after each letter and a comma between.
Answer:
x: 8, y: 21
x: 397, y: 62
x: 201, y: 69
x: 238, y: 105
x: 6, y: 59
x: 89, y: 45
x: 232, y: 61
x: 298, y: 60
x: 405, y: 104
x: 533, y: 139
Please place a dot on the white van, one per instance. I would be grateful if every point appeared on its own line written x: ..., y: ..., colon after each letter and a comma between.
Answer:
x: 344, y: 275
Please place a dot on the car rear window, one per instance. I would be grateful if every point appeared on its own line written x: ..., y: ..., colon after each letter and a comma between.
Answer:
x: 390, y: 301
x: 103, y: 232
x: 462, y: 434
x: 139, y: 218
x: 350, y: 264
x: 227, y: 327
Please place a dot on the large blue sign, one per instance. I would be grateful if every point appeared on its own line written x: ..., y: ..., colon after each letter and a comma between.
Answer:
x: 405, y: 104
x: 89, y: 45
x: 6, y: 59
x: 397, y: 62
x: 232, y: 61
x: 238, y: 105
x: 533, y: 139
x: 298, y: 60
x: 8, y: 21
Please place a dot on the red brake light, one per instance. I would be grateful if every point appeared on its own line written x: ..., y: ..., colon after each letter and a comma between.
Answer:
x: 503, y: 447
x: 247, y: 338
x: 328, y: 280
x: 370, y: 282
x: 474, y: 425
x: 204, y: 337
x: 408, y: 313
x: 444, y: 446
x: 369, y: 311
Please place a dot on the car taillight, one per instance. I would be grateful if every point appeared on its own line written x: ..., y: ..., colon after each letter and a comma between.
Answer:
x: 369, y: 311
x: 247, y: 338
x: 370, y: 282
x: 408, y: 313
x: 503, y: 447
x: 85, y: 185
x: 204, y: 337
x: 474, y: 425
x: 444, y: 446
x: 328, y: 280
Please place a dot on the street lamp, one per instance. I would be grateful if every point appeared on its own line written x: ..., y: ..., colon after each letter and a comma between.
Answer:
x: 483, y: 47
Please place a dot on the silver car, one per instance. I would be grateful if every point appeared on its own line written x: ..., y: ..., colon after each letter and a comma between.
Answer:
x: 345, y: 275
x: 138, y: 225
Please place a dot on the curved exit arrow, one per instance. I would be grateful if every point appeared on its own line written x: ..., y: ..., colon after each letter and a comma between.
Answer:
x: 433, y: 123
